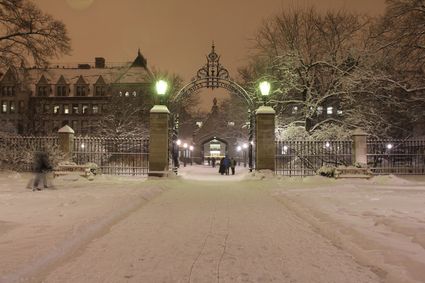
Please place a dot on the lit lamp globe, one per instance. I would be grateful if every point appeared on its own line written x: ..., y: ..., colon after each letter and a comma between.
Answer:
x: 245, y: 145
x: 161, y: 88
x: 185, y: 145
x: 178, y: 142
x: 239, y: 148
x: 265, y: 90
x: 191, y: 148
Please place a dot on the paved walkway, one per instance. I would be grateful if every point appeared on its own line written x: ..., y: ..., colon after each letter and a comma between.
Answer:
x: 229, y: 231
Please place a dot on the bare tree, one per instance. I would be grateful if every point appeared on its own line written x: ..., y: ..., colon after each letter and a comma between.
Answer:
x: 312, y: 61
x: 27, y: 35
x: 333, y: 60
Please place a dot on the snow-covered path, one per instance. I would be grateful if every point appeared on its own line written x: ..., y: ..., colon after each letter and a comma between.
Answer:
x: 205, y: 227
x: 211, y: 232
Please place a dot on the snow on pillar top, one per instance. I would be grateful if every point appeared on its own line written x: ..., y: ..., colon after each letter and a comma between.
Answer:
x: 265, y: 110
x: 66, y: 130
x: 359, y: 132
x: 160, y: 109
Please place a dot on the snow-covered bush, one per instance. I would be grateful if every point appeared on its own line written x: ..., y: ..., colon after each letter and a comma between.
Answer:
x: 94, y: 169
x: 17, y: 153
x: 292, y: 133
x: 331, y: 132
x: 326, y: 171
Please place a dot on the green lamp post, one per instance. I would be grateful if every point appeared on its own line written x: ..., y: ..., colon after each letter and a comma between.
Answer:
x: 161, y: 88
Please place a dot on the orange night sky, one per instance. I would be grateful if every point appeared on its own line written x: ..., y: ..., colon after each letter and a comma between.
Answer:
x: 175, y: 35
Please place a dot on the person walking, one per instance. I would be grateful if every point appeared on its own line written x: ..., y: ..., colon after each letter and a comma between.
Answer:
x: 222, y: 168
x: 226, y: 165
x: 233, y: 165
x: 41, y: 166
x: 213, y: 161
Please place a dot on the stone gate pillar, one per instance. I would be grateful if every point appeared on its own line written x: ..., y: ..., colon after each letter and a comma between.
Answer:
x: 66, y: 141
x: 158, y: 141
x: 265, y: 138
x: 360, y: 147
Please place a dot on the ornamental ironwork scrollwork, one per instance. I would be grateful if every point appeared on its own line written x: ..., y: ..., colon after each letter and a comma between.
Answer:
x: 213, y: 75
x: 213, y: 70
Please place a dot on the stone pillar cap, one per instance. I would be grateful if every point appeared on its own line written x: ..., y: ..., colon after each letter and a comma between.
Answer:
x: 265, y: 110
x: 66, y: 130
x: 359, y: 132
x: 160, y: 109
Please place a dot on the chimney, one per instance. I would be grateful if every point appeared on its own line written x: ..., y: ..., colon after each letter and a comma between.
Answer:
x: 99, y: 62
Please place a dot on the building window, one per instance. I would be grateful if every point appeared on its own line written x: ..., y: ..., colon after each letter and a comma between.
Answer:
x: 319, y: 110
x: 65, y: 109
x: 8, y: 91
x: 12, y: 107
x: 100, y: 90
x: 56, y: 109
x: 85, y: 109
x: 4, y: 107
x: 81, y: 90
x: 95, y: 109
x: 21, y: 107
x: 294, y: 109
x: 46, y: 108
x: 75, y: 109
x: 330, y: 110
x: 42, y: 90
x: 339, y: 112
x: 61, y: 90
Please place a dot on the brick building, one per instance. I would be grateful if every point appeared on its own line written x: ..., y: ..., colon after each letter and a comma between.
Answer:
x: 41, y: 100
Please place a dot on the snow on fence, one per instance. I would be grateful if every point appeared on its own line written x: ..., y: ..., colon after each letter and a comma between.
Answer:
x: 304, y: 158
x: 401, y: 157
x: 117, y: 156
x: 17, y: 152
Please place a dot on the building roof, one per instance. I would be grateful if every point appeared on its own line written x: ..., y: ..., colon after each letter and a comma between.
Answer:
x: 134, y: 73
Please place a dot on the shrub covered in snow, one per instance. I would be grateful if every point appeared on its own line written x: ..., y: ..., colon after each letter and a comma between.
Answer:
x: 326, y: 171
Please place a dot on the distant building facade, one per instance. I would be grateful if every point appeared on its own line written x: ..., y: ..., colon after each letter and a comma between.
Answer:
x: 41, y: 100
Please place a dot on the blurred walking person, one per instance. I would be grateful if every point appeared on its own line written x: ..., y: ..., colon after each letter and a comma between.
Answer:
x: 222, y: 168
x: 226, y: 164
x: 41, y: 167
x: 233, y: 165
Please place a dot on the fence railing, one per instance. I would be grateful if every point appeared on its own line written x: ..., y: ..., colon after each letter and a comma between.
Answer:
x: 304, y: 158
x: 401, y: 157
x: 117, y: 156
x: 17, y: 152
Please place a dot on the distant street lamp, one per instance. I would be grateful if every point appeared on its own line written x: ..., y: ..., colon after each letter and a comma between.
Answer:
x: 178, y: 142
x: 161, y: 88
x: 265, y: 90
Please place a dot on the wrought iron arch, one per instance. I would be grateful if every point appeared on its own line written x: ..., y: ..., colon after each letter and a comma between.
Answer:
x: 213, y: 75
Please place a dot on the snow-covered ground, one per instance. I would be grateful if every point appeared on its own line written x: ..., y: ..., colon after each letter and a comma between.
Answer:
x: 204, y: 227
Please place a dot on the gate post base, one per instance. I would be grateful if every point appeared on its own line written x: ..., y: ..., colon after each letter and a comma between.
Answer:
x: 265, y: 138
x: 158, y: 142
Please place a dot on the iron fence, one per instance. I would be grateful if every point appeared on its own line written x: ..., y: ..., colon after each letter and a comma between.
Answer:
x: 117, y: 156
x: 401, y: 157
x: 304, y: 158
x: 17, y: 152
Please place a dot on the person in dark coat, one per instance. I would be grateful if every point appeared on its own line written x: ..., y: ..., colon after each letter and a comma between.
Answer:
x: 226, y: 165
x: 233, y: 165
x: 213, y: 162
x: 41, y: 167
x: 222, y: 168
